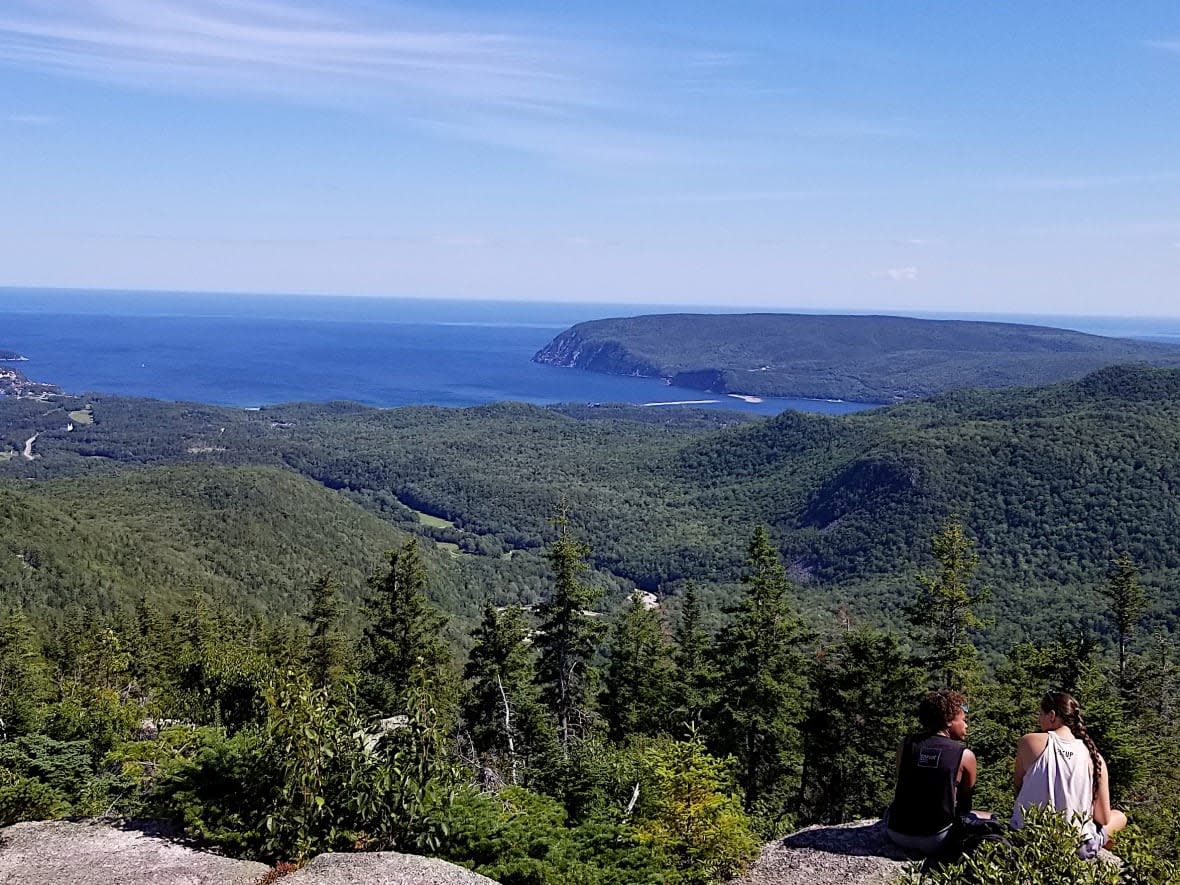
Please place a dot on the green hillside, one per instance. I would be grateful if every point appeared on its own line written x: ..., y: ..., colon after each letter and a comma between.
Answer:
x: 258, y: 537
x: 181, y: 505
x: 877, y: 359
x: 1053, y: 481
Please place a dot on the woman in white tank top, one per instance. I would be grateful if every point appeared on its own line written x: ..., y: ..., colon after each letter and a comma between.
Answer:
x: 1060, y: 768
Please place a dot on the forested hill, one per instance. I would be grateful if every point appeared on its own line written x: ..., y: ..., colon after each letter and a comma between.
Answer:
x: 1052, y: 481
x: 877, y: 359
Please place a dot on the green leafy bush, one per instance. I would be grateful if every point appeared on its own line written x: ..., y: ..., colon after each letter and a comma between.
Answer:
x: 23, y: 798
x: 1044, y: 852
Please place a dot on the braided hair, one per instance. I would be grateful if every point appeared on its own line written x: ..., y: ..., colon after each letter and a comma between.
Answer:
x: 1070, y: 712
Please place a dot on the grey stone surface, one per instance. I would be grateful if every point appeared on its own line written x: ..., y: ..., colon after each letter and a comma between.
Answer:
x: 91, y: 853
x: 382, y: 868
x: 857, y: 853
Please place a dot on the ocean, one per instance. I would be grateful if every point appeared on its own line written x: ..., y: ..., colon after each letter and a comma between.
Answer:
x: 254, y: 350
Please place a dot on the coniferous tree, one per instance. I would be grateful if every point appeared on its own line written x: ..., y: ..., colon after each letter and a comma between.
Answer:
x: 946, y: 607
x: 24, y: 676
x: 761, y: 689
x: 862, y: 700
x: 405, y: 653
x: 1127, y: 603
x: 568, y: 638
x: 639, y: 676
x: 326, y: 655
x: 501, y: 708
x: 149, y: 644
x: 694, y: 678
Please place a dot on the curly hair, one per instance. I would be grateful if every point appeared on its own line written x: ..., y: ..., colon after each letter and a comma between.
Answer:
x: 937, y: 709
x: 1069, y: 711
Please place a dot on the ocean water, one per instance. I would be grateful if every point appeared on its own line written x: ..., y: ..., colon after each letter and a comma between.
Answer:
x: 253, y: 350
x: 259, y: 349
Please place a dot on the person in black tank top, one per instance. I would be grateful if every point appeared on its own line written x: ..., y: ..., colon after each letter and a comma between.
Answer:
x: 935, y: 775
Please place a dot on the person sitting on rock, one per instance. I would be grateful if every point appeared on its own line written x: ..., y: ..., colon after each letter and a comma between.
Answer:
x: 1060, y: 768
x: 935, y: 776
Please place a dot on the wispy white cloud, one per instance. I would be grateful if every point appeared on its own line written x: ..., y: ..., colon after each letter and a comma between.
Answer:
x: 1166, y: 45
x: 1076, y: 182
x: 897, y: 274
x: 267, y: 46
x: 28, y: 119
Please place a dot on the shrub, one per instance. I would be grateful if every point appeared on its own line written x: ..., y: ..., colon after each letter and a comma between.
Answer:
x: 1044, y: 852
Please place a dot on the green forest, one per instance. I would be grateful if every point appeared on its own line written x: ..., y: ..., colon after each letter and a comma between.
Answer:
x: 329, y: 627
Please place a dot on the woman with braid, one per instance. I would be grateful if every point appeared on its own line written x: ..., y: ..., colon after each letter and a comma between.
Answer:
x: 1060, y: 768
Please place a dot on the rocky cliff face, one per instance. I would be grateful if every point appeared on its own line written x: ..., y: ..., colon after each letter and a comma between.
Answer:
x: 571, y: 350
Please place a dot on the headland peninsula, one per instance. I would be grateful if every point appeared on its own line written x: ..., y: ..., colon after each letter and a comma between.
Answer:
x: 871, y: 359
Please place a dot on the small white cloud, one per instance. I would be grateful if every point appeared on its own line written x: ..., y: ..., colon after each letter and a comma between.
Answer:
x: 897, y: 274
x: 29, y: 119
x: 1166, y: 45
x: 460, y: 242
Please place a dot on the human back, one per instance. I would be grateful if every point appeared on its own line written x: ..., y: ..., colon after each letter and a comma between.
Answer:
x: 935, y: 776
x: 1061, y: 777
x: 1060, y: 768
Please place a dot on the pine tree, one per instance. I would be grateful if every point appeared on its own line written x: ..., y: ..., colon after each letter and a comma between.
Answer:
x: 693, y: 682
x: 862, y: 699
x: 326, y: 655
x: 405, y: 653
x: 1127, y: 604
x: 569, y: 637
x: 639, y: 676
x: 24, y: 676
x: 761, y: 689
x: 946, y: 607
x: 500, y: 705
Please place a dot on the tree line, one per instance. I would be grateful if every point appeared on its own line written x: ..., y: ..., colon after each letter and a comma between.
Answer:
x: 568, y: 746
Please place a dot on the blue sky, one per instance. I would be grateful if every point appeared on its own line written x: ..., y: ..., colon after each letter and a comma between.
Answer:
x: 854, y: 156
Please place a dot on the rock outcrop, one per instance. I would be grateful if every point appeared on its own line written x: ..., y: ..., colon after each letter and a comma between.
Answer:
x: 94, y: 853
x: 382, y: 868
x: 857, y: 853
x: 86, y: 853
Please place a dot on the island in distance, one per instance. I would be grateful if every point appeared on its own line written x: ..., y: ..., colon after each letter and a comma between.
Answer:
x: 869, y: 359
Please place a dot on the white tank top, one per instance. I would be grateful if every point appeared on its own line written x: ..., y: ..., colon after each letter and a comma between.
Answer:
x: 1062, y: 778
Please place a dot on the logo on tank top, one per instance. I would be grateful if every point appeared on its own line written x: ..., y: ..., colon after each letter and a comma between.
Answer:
x: 929, y: 757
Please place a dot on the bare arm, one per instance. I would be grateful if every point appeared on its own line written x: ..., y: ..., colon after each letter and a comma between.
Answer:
x: 966, y: 787
x: 1101, y: 811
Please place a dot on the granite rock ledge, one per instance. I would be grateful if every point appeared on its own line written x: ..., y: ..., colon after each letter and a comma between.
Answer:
x: 98, y: 853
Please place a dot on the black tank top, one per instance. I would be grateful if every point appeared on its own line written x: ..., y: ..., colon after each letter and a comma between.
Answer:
x: 926, y: 785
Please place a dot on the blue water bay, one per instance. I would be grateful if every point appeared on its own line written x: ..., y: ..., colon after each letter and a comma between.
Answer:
x: 258, y: 350
x: 254, y: 350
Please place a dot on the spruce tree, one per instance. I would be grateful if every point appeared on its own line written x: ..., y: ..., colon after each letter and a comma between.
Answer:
x: 1127, y: 604
x: 569, y: 637
x: 639, y: 676
x: 407, y: 661
x: 946, y: 608
x: 694, y: 679
x: 24, y: 676
x: 326, y: 654
x: 501, y: 709
x: 862, y: 700
x: 761, y: 689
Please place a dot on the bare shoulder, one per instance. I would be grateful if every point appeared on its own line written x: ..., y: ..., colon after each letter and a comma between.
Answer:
x: 1033, y: 742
